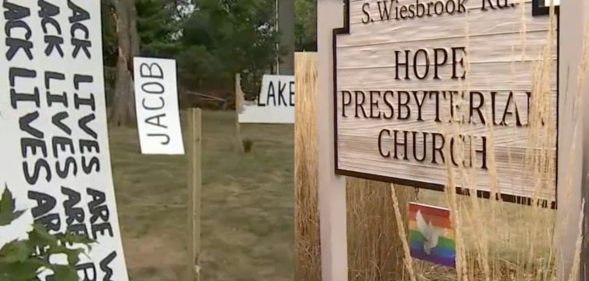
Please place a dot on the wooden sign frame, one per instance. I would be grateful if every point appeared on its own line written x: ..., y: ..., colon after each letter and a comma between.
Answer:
x: 537, y: 10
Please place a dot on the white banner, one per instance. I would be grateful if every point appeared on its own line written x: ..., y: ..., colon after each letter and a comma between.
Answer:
x: 275, y: 104
x: 156, y: 100
x: 54, y: 153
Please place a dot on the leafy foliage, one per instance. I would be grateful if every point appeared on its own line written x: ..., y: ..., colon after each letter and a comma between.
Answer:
x: 224, y: 37
x: 306, y: 25
x: 158, y: 27
x: 8, y: 214
x: 23, y: 260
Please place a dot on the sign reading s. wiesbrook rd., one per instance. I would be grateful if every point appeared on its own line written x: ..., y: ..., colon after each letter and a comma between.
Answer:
x: 275, y: 104
x: 156, y: 100
x: 402, y: 82
x: 54, y: 153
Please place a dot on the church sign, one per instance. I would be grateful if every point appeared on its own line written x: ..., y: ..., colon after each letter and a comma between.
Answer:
x: 421, y: 86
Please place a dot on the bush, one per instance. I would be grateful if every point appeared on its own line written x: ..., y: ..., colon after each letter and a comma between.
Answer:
x: 23, y: 260
x: 247, y: 145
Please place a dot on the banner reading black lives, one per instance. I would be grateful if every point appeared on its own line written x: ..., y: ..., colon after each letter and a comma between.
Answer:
x: 54, y: 153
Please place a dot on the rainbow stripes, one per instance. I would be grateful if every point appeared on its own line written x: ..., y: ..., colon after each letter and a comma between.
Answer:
x: 431, y: 236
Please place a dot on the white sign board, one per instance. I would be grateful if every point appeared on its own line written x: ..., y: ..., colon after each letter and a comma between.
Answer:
x: 406, y: 74
x: 275, y: 104
x: 156, y: 100
x: 54, y: 151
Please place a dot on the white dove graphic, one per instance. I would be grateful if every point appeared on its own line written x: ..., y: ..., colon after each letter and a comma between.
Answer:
x: 429, y: 232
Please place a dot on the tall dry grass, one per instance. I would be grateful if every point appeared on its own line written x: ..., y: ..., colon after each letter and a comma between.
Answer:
x: 374, y: 247
x: 503, y: 241
x: 307, y: 238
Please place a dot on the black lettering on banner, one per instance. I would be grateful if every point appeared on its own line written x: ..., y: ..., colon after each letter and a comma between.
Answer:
x: 75, y: 215
x: 105, y: 266
x: 78, y: 100
x: 79, y: 15
x: 47, y: 14
x: 44, y: 204
x: 145, y: 67
x: 153, y: 88
x: 291, y: 88
x: 87, y: 271
x: 16, y: 97
x: 157, y: 122
x: 15, y: 15
x: 83, y: 123
x: 100, y: 214
x: 154, y: 107
x: 65, y: 171
x: 92, y: 164
x: 164, y: 136
x: 57, y: 120
x: 52, y: 98
x: 281, y: 92
x: 271, y: 94
x: 25, y: 125
x: 82, y: 79
x: 33, y: 144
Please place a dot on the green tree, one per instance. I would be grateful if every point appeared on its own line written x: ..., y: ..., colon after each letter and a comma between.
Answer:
x: 159, y: 26
x: 23, y: 260
x: 306, y: 25
x: 224, y: 37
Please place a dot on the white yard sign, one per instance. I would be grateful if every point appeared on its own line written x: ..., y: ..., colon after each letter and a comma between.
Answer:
x: 156, y: 100
x: 276, y: 102
x: 54, y: 153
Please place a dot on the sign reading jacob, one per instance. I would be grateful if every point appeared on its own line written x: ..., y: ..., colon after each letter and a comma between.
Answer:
x: 407, y: 74
x: 54, y: 154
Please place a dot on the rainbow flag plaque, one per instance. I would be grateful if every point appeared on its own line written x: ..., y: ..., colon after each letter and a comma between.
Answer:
x: 431, y: 236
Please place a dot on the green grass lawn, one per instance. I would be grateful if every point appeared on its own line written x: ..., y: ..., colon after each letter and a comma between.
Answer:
x: 247, y: 204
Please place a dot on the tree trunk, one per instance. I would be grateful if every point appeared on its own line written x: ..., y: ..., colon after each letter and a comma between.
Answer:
x: 123, y: 107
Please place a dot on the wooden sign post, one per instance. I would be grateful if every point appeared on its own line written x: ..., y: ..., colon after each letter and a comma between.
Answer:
x: 573, y: 139
x: 239, y: 100
x: 194, y: 192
